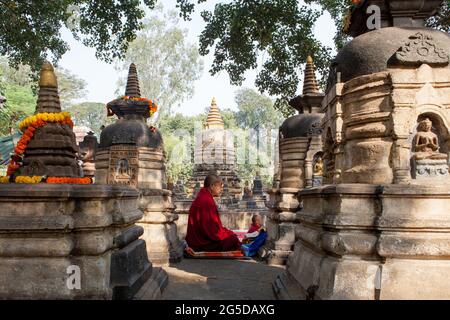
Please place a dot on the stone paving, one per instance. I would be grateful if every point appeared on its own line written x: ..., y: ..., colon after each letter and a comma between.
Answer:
x: 221, y: 280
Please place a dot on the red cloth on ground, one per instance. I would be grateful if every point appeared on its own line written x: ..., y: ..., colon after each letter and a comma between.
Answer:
x: 254, y: 227
x: 205, y: 231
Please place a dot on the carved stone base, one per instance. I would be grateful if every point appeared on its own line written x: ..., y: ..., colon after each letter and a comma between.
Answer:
x: 357, y: 241
x: 426, y: 169
x: 160, y: 229
x: 130, y: 269
x: 281, y: 223
x: 50, y: 232
x: 154, y: 287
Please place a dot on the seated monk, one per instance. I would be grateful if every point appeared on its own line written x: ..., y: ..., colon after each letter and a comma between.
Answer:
x: 205, y: 231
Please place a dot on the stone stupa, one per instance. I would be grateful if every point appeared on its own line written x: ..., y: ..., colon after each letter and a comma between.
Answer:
x: 300, y: 148
x: 53, y: 234
x: 131, y: 153
x: 52, y: 150
x: 214, y: 154
x: 378, y: 228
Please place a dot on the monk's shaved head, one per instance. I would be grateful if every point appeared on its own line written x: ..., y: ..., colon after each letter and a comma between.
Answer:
x: 211, y: 179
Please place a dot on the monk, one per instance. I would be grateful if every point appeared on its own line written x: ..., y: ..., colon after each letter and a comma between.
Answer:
x: 205, y: 231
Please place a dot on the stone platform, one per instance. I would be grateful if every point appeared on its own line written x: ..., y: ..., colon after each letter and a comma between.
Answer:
x: 360, y: 241
x: 52, y: 235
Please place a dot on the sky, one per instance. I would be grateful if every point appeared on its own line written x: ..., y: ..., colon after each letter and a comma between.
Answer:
x: 102, y: 78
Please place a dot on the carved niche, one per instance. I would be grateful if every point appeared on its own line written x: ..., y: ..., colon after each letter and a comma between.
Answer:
x: 427, y: 161
x: 123, y: 165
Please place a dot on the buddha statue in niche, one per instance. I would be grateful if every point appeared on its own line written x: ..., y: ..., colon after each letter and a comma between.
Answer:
x: 318, y: 167
x: 426, y: 143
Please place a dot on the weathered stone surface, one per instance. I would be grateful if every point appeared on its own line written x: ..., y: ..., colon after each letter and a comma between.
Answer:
x: 57, y: 227
x: 130, y: 269
x: 392, y: 223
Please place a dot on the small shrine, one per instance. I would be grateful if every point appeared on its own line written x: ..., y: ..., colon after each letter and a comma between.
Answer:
x: 300, y: 166
x: 132, y: 153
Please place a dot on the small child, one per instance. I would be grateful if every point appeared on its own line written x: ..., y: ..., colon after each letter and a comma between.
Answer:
x: 255, y: 237
x: 256, y: 223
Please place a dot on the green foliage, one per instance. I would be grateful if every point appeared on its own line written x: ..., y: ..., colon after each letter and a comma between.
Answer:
x: 167, y: 64
x: 256, y: 110
x: 30, y: 30
x: 253, y: 109
x: 281, y: 30
x: 19, y: 88
x: 169, y: 124
x: 91, y: 115
x: 70, y: 87
x: 229, y: 118
x: 442, y: 20
x: 178, y: 155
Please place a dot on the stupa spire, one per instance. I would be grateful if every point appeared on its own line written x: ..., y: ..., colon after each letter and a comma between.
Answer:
x: 214, y: 119
x: 48, y: 97
x: 310, y: 82
x: 132, y: 89
x: 310, y: 100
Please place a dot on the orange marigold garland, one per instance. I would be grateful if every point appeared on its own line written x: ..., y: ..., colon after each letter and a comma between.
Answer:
x: 29, y: 126
x: 151, y: 105
x: 67, y: 180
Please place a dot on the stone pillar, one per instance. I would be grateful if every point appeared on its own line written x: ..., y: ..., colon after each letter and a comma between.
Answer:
x: 299, y: 141
x: 308, y: 174
x: 283, y: 202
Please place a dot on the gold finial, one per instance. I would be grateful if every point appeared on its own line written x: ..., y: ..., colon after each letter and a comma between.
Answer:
x: 48, y: 77
x: 310, y: 82
x: 214, y: 102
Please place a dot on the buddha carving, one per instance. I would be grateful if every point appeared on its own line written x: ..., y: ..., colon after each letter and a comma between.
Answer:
x: 425, y: 143
x: 318, y: 167
x: 122, y: 171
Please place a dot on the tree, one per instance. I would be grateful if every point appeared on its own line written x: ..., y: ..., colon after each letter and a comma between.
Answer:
x: 70, y: 87
x: 282, y: 30
x: 167, y: 64
x: 90, y: 114
x: 279, y: 31
x: 19, y: 88
x: 255, y: 110
x: 30, y: 30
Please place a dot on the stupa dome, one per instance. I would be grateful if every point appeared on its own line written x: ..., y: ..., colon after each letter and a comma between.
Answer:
x: 375, y: 51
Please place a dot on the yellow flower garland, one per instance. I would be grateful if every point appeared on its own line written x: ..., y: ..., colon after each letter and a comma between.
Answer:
x: 26, y: 179
x: 4, y: 179
x: 45, y: 116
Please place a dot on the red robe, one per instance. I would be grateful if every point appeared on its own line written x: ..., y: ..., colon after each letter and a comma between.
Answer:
x: 254, y: 227
x: 205, y: 231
